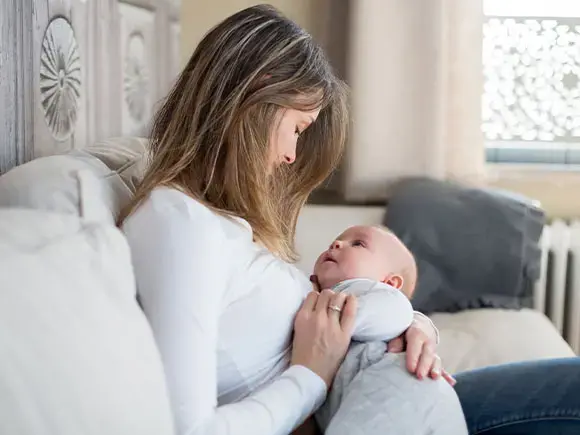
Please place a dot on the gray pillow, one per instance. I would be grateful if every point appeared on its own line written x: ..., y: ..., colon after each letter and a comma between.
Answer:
x: 474, y: 248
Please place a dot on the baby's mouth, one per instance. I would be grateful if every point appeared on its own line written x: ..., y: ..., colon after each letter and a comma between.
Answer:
x: 328, y: 257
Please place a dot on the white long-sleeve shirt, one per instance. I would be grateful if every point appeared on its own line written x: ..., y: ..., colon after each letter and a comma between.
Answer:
x: 222, y: 310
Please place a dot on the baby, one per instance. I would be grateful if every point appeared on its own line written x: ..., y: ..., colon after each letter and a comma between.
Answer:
x: 367, y: 252
x: 373, y: 393
x: 371, y: 263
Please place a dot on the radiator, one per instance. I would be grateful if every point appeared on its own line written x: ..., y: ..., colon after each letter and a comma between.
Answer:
x: 557, y: 292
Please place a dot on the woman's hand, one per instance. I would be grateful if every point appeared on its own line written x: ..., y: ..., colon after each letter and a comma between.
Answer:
x: 420, y: 341
x: 321, y: 334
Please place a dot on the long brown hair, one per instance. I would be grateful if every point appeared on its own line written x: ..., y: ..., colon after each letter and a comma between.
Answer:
x: 211, y: 137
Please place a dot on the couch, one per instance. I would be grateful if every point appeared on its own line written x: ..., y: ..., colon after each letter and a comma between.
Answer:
x: 76, y: 352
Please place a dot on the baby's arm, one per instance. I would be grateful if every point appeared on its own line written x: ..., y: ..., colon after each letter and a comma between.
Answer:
x: 383, y: 311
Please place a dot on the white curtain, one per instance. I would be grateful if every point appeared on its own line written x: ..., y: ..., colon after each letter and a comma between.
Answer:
x: 416, y: 74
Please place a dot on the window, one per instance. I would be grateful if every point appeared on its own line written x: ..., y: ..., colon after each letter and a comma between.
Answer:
x: 531, y: 98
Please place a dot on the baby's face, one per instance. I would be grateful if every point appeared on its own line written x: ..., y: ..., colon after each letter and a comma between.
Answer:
x: 359, y: 252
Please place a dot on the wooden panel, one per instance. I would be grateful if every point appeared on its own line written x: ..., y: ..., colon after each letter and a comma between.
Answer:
x: 59, y: 56
x: 105, y: 81
x: 168, y: 42
x: 8, y: 54
x: 76, y: 71
x: 15, y: 87
x: 142, y: 4
x: 174, y: 9
x: 162, y: 51
x: 175, y: 62
x: 137, y: 57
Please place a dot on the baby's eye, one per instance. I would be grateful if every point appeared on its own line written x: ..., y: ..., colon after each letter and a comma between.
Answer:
x: 358, y: 243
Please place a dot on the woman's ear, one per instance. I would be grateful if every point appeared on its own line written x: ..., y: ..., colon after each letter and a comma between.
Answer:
x: 395, y: 281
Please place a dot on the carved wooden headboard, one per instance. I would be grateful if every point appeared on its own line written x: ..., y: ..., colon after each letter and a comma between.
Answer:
x: 76, y: 71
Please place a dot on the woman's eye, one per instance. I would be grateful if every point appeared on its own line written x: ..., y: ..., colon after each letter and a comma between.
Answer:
x: 297, y: 132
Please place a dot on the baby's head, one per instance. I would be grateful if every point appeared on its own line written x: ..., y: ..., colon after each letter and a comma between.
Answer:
x: 371, y: 252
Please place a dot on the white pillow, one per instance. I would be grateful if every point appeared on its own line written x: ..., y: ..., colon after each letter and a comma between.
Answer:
x: 76, y: 353
x: 109, y: 170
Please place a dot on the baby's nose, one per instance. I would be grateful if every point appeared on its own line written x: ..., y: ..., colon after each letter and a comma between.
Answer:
x: 336, y: 244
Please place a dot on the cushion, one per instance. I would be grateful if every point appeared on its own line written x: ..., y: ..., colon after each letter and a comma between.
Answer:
x: 474, y: 248
x: 76, y: 352
x: 97, y: 180
x: 477, y: 338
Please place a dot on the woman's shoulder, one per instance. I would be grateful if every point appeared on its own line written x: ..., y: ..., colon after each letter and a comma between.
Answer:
x: 165, y: 205
x: 169, y: 207
x: 168, y: 200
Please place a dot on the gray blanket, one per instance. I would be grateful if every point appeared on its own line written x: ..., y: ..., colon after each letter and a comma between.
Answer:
x: 373, y: 393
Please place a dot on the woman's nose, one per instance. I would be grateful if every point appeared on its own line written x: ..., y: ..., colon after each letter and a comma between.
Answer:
x: 289, y: 158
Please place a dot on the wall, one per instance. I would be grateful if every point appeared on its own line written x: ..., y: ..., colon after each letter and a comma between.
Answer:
x: 557, y: 191
x: 326, y: 20
x: 198, y: 16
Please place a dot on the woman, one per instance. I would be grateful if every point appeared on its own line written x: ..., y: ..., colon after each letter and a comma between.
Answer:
x: 255, y: 122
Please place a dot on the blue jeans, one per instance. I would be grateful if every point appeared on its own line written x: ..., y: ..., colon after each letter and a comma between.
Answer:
x: 531, y: 398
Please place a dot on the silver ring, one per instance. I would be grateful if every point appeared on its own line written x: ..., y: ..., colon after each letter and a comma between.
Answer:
x: 335, y: 308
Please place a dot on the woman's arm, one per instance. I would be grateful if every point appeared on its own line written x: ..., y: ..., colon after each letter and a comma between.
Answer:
x: 179, y: 253
x: 429, y: 325
x: 420, y: 341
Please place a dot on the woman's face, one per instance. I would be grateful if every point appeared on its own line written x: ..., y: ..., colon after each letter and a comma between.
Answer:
x: 284, y: 139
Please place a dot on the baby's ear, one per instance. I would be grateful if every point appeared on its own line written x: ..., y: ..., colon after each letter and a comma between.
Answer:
x: 314, y: 280
x: 396, y: 281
